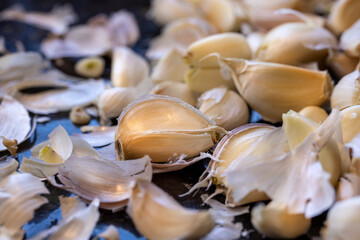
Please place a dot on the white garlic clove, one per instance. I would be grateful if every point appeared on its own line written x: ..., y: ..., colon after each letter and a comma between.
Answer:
x: 175, y: 89
x: 350, y: 122
x: 350, y: 40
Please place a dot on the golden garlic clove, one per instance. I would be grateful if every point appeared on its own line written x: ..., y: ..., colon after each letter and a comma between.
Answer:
x: 277, y: 4
x: 175, y: 89
x: 298, y: 127
x: 91, y: 67
x: 79, y: 116
x: 350, y: 40
x: 128, y: 69
x: 343, y: 14
x: 350, y: 122
x: 164, y: 128
x: 315, y: 113
x: 225, y: 107
x: 275, y: 221
x: 341, y: 64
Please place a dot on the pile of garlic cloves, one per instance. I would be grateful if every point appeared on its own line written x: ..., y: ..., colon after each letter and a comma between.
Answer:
x: 192, y: 96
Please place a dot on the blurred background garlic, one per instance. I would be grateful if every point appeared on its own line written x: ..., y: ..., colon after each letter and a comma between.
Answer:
x: 175, y: 89
x: 343, y: 14
x: 350, y: 40
x: 91, y: 67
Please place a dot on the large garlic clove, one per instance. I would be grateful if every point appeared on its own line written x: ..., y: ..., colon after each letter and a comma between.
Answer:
x: 128, y: 69
x: 342, y: 221
x: 341, y: 64
x: 350, y: 122
x: 343, y: 14
x: 225, y: 107
x: 157, y: 215
x: 347, y: 91
x: 315, y: 113
x: 175, y: 89
x: 164, y: 128
x: 296, y: 43
x: 350, y: 40
x: 272, y: 89
x: 275, y: 221
x: 232, y: 45
x: 171, y: 67
x: 297, y: 128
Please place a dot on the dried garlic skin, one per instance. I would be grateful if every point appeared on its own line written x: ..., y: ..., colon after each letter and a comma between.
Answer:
x: 175, y: 89
x: 350, y: 122
x: 315, y: 113
x: 275, y: 221
x: 79, y: 116
x: 164, y: 128
x: 343, y: 14
x: 91, y: 67
x: 225, y: 107
x: 350, y: 40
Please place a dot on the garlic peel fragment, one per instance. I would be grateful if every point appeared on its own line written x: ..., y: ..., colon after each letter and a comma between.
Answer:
x: 99, y: 136
x: 8, y: 165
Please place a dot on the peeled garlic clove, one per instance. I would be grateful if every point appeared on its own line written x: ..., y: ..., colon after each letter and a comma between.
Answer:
x: 343, y: 14
x: 350, y: 40
x: 171, y: 67
x: 342, y: 220
x: 79, y: 116
x: 272, y: 89
x: 347, y: 91
x: 128, y: 69
x: 91, y: 67
x: 275, y: 221
x: 112, y: 101
x: 203, y: 79
x: 164, y: 128
x: 342, y: 64
x: 232, y: 45
x: 315, y: 113
x: 157, y: 215
x: 225, y: 107
x: 175, y: 89
x: 350, y: 122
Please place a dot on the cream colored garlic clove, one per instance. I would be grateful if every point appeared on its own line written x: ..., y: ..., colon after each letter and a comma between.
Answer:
x: 277, y: 4
x: 275, y: 221
x: 128, y: 69
x: 79, y: 116
x: 350, y: 122
x: 315, y: 113
x: 91, y: 67
x: 350, y: 40
x: 343, y: 14
x: 342, y: 64
x: 175, y: 89
x: 225, y: 107
x: 254, y: 41
x: 164, y: 128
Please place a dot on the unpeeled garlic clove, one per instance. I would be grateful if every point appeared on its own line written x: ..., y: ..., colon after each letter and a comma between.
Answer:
x: 128, y: 69
x: 350, y: 122
x: 164, y: 128
x: 275, y: 221
x: 90, y: 67
x: 341, y: 64
x: 175, y: 89
x: 225, y: 107
x: 350, y: 40
x: 79, y: 116
x: 315, y: 113
x: 343, y: 14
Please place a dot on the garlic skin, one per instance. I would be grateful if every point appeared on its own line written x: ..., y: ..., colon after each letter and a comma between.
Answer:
x: 275, y: 221
x: 79, y: 116
x: 350, y: 40
x: 342, y: 220
x: 350, y: 122
x: 343, y: 14
x: 164, y: 128
x: 91, y: 67
x: 315, y: 113
x: 175, y: 89
x: 128, y: 69
x: 225, y: 107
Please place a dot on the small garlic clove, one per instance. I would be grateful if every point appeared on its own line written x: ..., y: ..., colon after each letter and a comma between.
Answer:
x: 79, y: 116
x: 128, y: 69
x: 315, y: 113
x: 91, y: 67
x: 343, y: 14
x: 175, y: 89
x: 220, y: 13
x: 164, y: 128
x: 350, y: 122
x: 341, y: 64
x: 225, y: 107
x: 350, y: 40
x: 275, y: 221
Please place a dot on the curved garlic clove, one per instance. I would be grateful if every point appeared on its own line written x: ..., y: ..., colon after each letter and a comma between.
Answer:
x: 225, y: 107
x: 90, y: 67
x: 112, y: 101
x: 347, y: 91
x: 79, y: 116
x: 341, y: 64
x: 254, y: 41
x: 157, y: 215
x: 175, y: 89
x: 343, y: 14
x: 164, y: 128
x: 350, y: 122
x: 128, y: 69
x: 275, y: 221
x: 350, y: 40
x: 315, y: 113
x: 232, y: 45
x: 272, y: 89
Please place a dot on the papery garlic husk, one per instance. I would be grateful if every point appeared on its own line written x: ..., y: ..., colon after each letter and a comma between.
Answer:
x: 350, y: 40
x: 97, y: 136
x: 342, y: 220
x: 175, y: 89
x: 343, y: 14
x: 156, y: 215
x: 128, y: 69
x: 348, y: 187
x: 350, y: 122
x: 275, y: 221
x: 296, y: 43
x: 112, y: 101
x: 170, y: 67
x: 164, y: 128
x: 347, y: 91
x: 91, y: 67
x: 272, y: 89
x: 231, y: 45
x: 225, y: 107
x: 8, y: 165
x: 315, y: 113
x: 341, y: 64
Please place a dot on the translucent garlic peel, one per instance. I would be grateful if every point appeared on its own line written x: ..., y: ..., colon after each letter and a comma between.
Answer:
x: 61, y: 143
x: 99, y: 136
x: 8, y: 165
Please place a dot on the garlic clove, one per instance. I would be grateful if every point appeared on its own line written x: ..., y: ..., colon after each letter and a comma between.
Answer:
x: 91, y: 67
x: 343, y: 14
x: 341, y: 64
x: 225, y: 107
x: 350, y: 40
x: 175, y: 89
x: 171, y: 129
x: 254, y: 41
x: 350, y: 122
x: 315, y: 113
x: 277, y: 4
x: 79, y: 116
